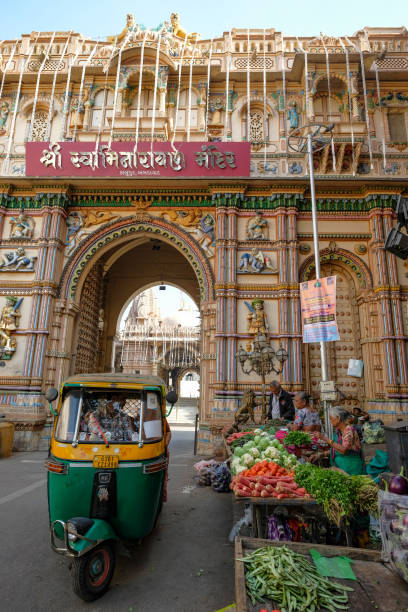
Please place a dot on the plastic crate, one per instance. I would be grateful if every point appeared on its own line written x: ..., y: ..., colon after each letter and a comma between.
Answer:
x: 396, y: 438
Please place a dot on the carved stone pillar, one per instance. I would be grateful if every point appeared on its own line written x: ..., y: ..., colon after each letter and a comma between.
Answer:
x: 162, y: 101
x: 220, y: 284
x: 87, y: 115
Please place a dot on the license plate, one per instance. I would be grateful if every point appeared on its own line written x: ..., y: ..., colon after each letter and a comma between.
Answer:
x: 105, y: 462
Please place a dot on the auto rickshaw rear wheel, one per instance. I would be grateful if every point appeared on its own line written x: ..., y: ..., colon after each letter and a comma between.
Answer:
x: 92, y: 573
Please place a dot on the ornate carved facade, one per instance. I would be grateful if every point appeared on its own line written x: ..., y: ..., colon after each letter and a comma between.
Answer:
x: 86, y: 244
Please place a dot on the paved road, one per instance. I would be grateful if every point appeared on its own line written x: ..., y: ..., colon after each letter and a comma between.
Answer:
x: 185, y: 565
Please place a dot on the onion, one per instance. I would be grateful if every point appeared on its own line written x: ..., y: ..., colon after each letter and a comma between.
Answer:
x: 405, y: 520
x: 398, y: 484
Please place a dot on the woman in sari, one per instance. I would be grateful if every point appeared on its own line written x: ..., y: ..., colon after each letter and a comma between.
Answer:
x: 345, y: 451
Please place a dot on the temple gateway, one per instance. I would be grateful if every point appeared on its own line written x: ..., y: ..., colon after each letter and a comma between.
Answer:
x: 156, y: 137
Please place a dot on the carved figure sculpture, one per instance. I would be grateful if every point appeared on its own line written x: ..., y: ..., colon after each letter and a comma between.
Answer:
x: 185, y: 218
x: 17, y: 261
x: 9, y: 321
x: 96, y: 218
x: 256, y: 319
x: 293, y: 116
x: 206, y: 233
x: 79, y: 226
x: 246, y: 411
x: 180, y: 32
x: 256, y: 261
x: 257, y: 228
x: 21, y: 226
x: 4, y: 113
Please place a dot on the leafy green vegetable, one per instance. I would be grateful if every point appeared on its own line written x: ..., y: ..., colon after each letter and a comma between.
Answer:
x: 297, y: 438
x: 340, y: 495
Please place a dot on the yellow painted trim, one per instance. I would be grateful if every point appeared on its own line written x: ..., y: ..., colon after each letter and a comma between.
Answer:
x: 85, y: 452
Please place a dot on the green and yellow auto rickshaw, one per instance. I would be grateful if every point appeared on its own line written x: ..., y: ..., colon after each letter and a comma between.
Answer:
x: 106, y: 470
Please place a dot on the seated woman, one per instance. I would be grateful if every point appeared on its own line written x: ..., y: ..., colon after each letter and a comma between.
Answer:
x: 306, y: 416
x: 345, y: 452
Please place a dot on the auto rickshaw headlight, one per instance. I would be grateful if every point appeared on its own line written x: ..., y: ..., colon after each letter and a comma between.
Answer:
x: 72, y: 532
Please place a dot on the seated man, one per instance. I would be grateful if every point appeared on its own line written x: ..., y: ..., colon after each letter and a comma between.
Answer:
x: 280, y: 403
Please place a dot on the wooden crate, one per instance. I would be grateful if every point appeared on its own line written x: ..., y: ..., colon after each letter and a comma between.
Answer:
x: 379, y: 589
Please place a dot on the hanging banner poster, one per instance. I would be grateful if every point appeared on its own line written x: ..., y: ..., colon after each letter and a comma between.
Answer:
x: 125, y: 160
x: 318, y: 304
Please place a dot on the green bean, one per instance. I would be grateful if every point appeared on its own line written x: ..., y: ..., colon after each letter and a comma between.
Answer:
x: 291, y: 581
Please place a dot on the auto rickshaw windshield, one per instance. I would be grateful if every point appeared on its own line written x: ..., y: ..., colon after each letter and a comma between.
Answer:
x: 105, y: 416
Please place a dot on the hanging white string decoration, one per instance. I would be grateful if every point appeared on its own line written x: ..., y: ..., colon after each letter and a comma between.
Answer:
x: 349, y: 105
x: 227, y: 69
x: 367, y: 119
x: 37, y: 86
x: 377, y: 81
x: 190, y: 87
x: 139, y: 91
x: 208, y: 88
x: 333, y: 151
x: 156, y: 75
x: 81, y: 88
x: 178, y: 95
x: 248, y: 137
x: 65, y: 107
x: 51, y: 104
x: 102, y: 118
x: 115, y: 97
x: 7, y: 67
x: 264, y: 100
x: 24, y: 63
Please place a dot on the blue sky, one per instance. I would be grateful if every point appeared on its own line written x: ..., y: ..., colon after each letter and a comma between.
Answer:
x: 209, y: 17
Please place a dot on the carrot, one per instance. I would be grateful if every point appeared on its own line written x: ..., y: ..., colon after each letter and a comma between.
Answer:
x: 265, y: 493
x: 244, y: 481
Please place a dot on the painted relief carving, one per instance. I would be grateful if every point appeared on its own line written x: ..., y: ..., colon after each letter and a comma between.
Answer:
x: 4, y: 113
x: 17, y: 261
x: 193, y: 220
x: 79, y: 226
x: 9, y: 322
x: 257, y: 228
x: 21, y: 226
x: 256, y: 261
x: 257, y: 322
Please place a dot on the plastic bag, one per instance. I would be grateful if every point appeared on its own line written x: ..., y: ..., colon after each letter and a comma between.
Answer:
x: 374, y: 432
x: 394, y: 534
x: 205, y: 476
x: 205, y: 464
x: 221, y: 478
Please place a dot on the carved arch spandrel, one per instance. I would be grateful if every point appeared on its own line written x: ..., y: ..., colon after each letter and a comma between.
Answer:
x: 119, y: 231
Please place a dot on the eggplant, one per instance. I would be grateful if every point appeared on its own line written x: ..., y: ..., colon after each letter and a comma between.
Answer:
x: 398, y: 484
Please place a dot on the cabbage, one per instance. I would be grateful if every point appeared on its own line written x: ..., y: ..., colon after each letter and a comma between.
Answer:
x: 276, y: 443
x: 248, y: 445
x: 239, y: 451
x: 264, y: 444
x: 257, y: 440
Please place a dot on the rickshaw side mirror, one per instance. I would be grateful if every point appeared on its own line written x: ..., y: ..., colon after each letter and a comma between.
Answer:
x: 172, y: 398
x: 51, y: 394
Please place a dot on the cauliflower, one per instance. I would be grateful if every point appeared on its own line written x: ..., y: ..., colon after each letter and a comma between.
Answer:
x: 254, y: 452
x: 247, y: 459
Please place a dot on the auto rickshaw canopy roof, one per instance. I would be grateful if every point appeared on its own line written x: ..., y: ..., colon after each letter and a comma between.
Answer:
x: 116, y: 379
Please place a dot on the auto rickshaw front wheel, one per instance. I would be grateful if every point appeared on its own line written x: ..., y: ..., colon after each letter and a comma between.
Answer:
x: 92, y: 573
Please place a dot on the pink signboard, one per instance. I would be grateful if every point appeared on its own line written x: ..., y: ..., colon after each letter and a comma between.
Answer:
x: 123, y: 159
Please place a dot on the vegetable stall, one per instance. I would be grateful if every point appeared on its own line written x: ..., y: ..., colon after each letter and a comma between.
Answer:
x: 289, y: 576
